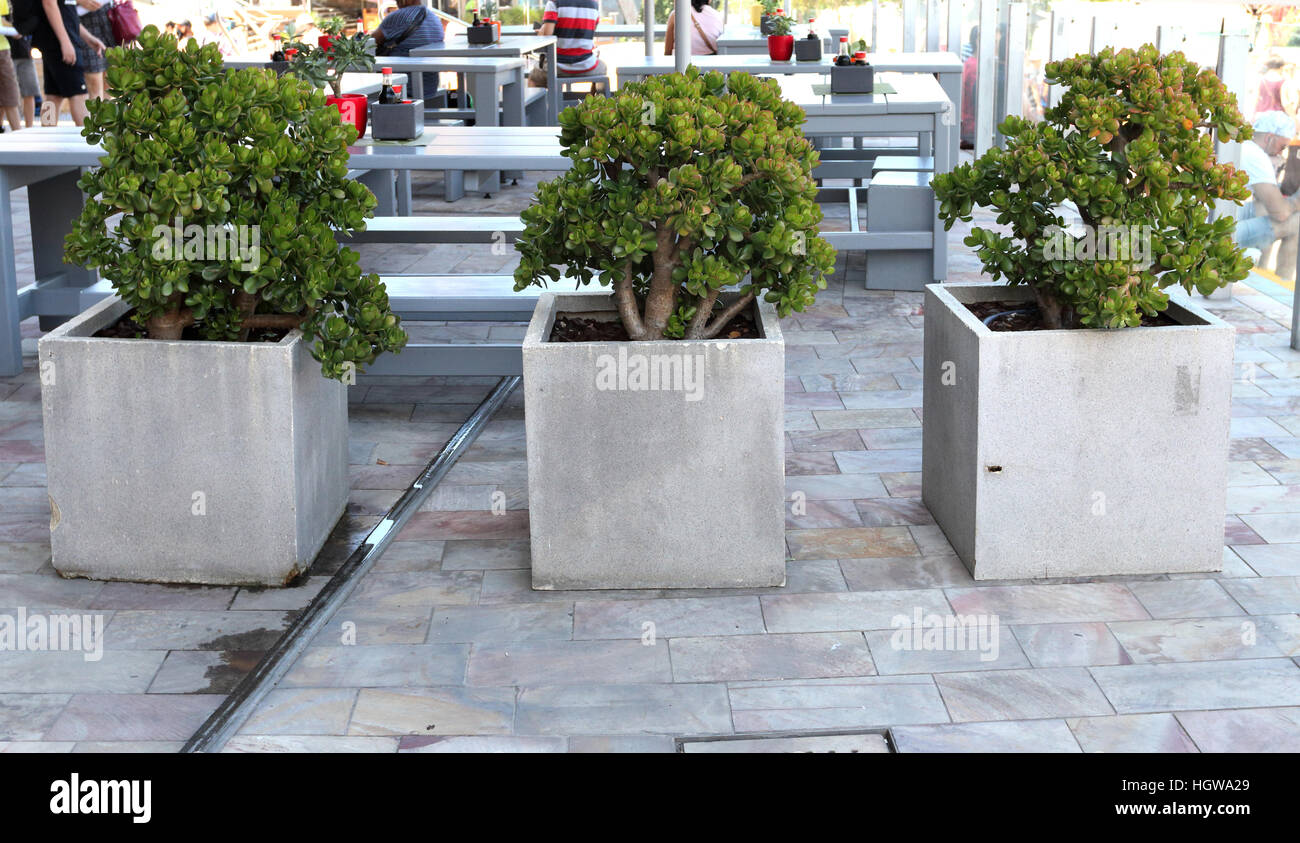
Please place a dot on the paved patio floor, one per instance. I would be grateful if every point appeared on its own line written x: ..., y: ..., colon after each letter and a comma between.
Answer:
x: 454, y: 651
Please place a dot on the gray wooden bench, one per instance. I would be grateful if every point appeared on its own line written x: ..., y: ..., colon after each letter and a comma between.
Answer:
x: 461, y: 298
x: 904, y: 163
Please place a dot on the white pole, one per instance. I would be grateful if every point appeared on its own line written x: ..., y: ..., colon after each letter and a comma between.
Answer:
x: 986, y: 76
x: 955, y: 21
x: 682, y: 46
x: 648, y: 20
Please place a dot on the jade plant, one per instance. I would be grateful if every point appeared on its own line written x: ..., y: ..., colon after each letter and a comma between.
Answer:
x: 1129, y: 147
x: 198, y: 159
x: 346, y: 54
x: 682, y: 186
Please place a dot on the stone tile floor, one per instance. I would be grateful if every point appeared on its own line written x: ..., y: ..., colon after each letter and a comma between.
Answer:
x: 453, y: 651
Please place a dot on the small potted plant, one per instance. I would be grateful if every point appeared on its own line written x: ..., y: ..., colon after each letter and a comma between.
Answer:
x: 654, y: 415
x: 333, y: 28
x: 780, y: 43
x: 190, y: 435
x: 769, y: 8
x: 320, y: 67
x: 1076, y: 419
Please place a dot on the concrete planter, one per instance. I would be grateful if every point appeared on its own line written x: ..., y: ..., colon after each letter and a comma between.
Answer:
x: 1078, y: 452
x: 671, y: 481
x: 188, y: 462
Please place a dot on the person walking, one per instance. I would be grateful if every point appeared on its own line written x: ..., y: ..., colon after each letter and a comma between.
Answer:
x: 58, y: 36
x: 10, y: 97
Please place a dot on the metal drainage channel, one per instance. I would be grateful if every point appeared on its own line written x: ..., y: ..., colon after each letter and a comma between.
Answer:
x: 253, y: 688
x: 812, y: 738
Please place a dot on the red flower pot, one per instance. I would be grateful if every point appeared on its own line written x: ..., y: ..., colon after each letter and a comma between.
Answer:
x: 780, y: 47
x: 325, y: 42
x: 352, y: 109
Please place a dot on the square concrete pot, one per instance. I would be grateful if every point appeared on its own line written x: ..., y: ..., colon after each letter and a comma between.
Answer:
x: 1075, y: 453
x: 188, y: 462
x: 654, y: 464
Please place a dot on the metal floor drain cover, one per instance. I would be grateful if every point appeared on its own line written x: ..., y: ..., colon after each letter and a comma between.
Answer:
x: 844, y: 743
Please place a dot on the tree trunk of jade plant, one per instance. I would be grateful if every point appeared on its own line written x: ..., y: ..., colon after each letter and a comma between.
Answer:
x: 682, y: 186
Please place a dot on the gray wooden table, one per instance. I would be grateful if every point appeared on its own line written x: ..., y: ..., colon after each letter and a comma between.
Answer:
x: 516, y: 46
x: 477, y: 74
x: 944, y: 67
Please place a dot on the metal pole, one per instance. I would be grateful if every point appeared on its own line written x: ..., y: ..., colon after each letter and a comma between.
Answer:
x: 682, y: 46
x: 1013, y: 95
x: 648, y: 20
x: 909, y: 26
x: 932, y: 25
x: 985, y: 77
x: 955, y: 19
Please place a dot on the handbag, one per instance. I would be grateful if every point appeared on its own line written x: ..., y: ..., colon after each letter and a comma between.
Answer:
x: 386, y: 48
x: 125, y: 21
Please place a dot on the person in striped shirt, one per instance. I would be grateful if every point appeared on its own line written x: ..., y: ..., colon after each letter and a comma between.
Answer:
x: 573, y: 23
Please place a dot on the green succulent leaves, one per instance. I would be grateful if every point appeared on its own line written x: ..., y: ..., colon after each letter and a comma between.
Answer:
x: 1127, y: 146
x: 683, y: 184
x: 184, y: 139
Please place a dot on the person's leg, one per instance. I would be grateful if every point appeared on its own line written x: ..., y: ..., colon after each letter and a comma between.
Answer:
x: 10, y: 97
x: 29, y: 111
x: 77, y: 108
x: 1288, y: 235
x: 95, y: 86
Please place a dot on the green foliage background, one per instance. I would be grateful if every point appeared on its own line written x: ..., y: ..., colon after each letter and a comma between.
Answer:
x: 183, y: 137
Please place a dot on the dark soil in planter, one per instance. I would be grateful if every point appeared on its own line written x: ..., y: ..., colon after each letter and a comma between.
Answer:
x: 125, y: 329
x: 1032, y: 318
x: 581, y: 329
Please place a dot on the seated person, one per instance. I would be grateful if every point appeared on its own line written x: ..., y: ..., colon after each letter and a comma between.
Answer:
x: 1269, y: 216
x: 573, y: 23
x: 706, y: 27
x: 408, y: 26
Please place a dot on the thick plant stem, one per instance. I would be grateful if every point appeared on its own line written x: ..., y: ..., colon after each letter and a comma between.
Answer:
x: 170, y: 324
x: 625, y: 298
x: 247, y: 306
x: 662, y: 298
x: 703, y: 310
x: 727, y: 315
x: 1054, y: 313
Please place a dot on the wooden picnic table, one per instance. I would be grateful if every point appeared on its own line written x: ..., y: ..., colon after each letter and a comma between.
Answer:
x: 944, y: 67
x: 515, y: 46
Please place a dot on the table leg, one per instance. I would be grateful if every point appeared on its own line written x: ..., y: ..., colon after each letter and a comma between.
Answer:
x: 486, y: 107
x: 380, y: 183
x: 403, y: 189
x: 513, y: 93
x: 453, y: 185
x: 54, y: 204
x: 11, y: 341
x: 944, y: 155
x: 951, y: 84
x: 552, y: 88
